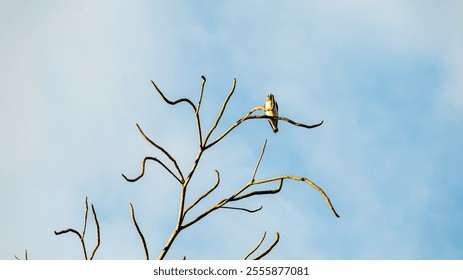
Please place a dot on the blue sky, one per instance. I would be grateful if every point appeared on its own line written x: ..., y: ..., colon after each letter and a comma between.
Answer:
x: 385, y: 76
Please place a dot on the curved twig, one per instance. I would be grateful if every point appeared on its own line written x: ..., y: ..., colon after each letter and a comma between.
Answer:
x: 85, y: 218
x: 164, y: 151
x: 201, y: 93
x: 303, y: 179
x: 139, y: 232
x: 248, y: 117
x: 242, y: 209
x: 82, y: 236
x: 198, y: 121
x: 97, y: 233
x: 143, y: 170
x: 176, y: 101
x: 207, y: 146
x: 232, y: 90
x: 257, y: 247
x: 78, y: 234
x: 269, y: 248
x: 217, y: 182
x: 236, y: 197
x: 286, y: 120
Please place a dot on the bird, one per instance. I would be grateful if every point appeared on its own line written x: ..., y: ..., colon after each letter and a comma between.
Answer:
x: 271, y: 109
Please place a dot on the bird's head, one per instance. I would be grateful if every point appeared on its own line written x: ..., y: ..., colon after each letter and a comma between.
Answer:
x: 270, y: 97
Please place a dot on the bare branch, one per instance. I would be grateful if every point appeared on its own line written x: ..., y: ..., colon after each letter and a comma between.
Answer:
x: 176, y: 101
x: 198, y: 121
x: 78, y: 234
x: 242, y: 209
x: 232, y: 90
x: 207, y: 146
x: 162, y: 150
x: 303, y: 179
x: 81, y: 236
x: 235, y: 198
x: 269, y: 248
x: 258, y: 162
x: 85, y: 217
x: 204, y: 214
x: 257, y: 246
x: 286, y: 120
x: 217, y: 182
x: 97, y: 233
x: 139, y: 232
x: 201, y: 93
x: 248, y: 117
x: 143, y: 170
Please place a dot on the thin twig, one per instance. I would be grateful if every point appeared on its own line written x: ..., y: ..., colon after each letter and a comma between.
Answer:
x: 207, y: 146
x: 248, y: 117
x: 201, y: 93
x: 143, y: 170
x: 97, y: 233
x: 176, y: 101
x: 269, y: 248
x: 162, y: 150
x: 286, y: 120
x: 242, y: 209
x: 235, y: 198
x: 217, y: 182
x: 258, y: 162
x: 82, y: 236
x: 78, y: 234
x: 85, y: 218
x: 232, y: 90
x: 257, y: 246
x: 139, y: 232
x: 303, y: 179
x: 198, y: 121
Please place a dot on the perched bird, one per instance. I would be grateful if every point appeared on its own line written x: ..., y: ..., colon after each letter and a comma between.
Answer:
x: 271, y: 109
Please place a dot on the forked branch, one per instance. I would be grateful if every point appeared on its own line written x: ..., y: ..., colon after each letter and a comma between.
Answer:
x: 238, y: 195
x: 224, y: 105
x: 181, y: 179
x: 82, y: 236
x: 176, y: 101
x: 143, y: 170
x: 204, y: 195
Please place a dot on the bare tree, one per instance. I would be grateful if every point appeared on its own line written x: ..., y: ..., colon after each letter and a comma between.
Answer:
x: 205, y: 142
